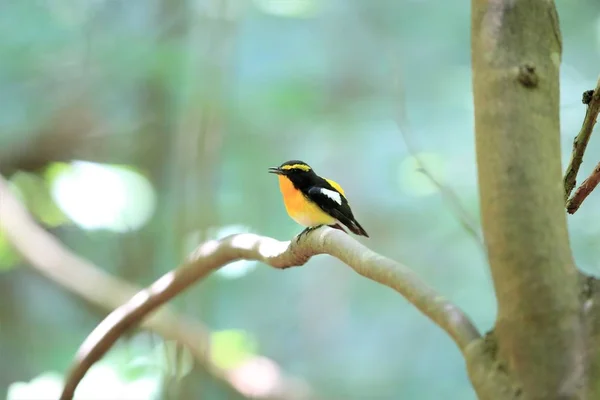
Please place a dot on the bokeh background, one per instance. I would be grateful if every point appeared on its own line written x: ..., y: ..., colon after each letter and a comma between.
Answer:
x: 135, y: 129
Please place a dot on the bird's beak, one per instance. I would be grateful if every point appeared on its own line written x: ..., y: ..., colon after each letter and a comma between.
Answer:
x: 275, y: 170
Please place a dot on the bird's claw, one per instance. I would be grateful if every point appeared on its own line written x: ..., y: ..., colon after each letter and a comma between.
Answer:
x: 306, y: 231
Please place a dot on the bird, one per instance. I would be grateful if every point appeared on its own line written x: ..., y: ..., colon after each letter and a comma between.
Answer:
x: 313, y: 201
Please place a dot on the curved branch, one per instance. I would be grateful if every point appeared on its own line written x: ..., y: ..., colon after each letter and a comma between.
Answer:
x: 216, y: 253
x: 51, y: 258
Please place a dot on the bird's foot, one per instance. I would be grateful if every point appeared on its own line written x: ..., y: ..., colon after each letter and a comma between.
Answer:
x: 306, y: 231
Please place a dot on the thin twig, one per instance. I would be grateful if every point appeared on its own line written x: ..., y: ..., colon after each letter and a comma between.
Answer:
x: 51, y: 258
x: 584, y: 190
x: 581, y: 140
x: 450, y: 197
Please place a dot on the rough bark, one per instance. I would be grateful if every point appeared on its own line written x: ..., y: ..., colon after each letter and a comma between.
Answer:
x: 516, y: 53
x: 591, y: 311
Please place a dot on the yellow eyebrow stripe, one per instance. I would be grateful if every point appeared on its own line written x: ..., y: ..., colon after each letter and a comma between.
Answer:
x: 336, y: 186
x: 296, y: 166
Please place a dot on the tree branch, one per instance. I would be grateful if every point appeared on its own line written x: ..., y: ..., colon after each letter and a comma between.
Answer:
x: 53, y: 260
x: 450, y: 197
x: 214, y: 254
x: 583, y: 191
x: 580, y: 144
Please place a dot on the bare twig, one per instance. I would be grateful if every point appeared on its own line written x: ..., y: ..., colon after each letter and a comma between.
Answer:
x: 52, y: 259
x: 581, y: 140
x: 584, y: 190
x: 214, y: 254
x: 451, y: 198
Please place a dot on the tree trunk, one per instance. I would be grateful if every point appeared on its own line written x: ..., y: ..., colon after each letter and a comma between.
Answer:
x: 516, y: 54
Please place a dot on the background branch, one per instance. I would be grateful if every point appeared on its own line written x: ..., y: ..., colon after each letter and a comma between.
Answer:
x: 583, y: 191
x: 53, y: 260
x: 216, y: 253
x: 580, y: 143
x: 450, y: 197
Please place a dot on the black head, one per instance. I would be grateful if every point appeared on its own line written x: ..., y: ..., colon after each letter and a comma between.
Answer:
x: 299, y: 172
x: 292, y: 168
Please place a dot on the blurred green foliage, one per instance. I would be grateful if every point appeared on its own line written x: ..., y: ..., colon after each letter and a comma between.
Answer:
x: 229, y: 348
x: 197, y: 99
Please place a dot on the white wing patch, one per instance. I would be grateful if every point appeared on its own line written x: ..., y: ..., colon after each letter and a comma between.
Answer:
x: 335, y: 196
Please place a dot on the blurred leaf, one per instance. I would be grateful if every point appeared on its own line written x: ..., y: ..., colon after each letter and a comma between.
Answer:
x: 99, y: 196
x: 288, y: 8
x: 36, y: 195
x: 229, y: 348
x: 136, y: 369
x: 8, y: 255
x: 177, y: 360
x: 107, y: 380
x: 46, y: 386
x: 55, y: 169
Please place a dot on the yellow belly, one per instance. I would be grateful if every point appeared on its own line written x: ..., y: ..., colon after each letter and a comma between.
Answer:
x: 299, y: 208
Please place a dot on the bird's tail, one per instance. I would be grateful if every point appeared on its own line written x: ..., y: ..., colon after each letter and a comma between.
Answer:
x: 355, y: 227
x: 351, y: 223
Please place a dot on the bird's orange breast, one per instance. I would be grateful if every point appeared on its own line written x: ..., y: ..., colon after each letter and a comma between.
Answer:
x: 300, y: 208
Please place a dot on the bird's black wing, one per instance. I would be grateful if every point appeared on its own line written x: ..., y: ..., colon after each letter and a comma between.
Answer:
x: 335, y: 204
